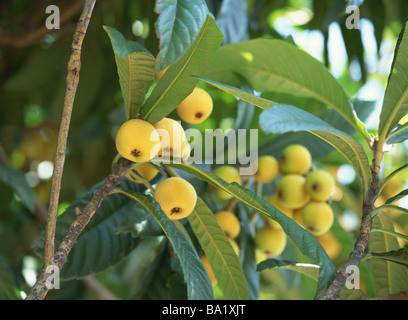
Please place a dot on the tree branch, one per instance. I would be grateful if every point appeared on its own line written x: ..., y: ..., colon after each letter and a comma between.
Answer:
x: 74, y: 65
x: 83, y: 216
x: 359, y: 252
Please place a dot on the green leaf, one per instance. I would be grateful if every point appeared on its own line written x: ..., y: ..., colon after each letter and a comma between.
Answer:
x: 136, y: 70
x: 310, y: 270
x: 272, y: 65
x: 99, y: 246
x: 221, y: 256
x: 388, y: 277
x: 395, y: 104
x: 177, y: 83
x: 16, y: 180
x: 303, y: 239
x: 198, y: 284
x: 285, y: 118
x: 177, y: 26
x: 392, y: 233
x: 139, y: 224
x: 399, y: 256
x: 400, y: 134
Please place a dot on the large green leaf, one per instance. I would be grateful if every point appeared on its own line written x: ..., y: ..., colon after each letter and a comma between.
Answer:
x: 99, y: 246
x: 388, y: 276
x: 222, y: 257
x: 395, y: 104
x: 177, y: 83
x: 303, y: 239
x: 196, y: 277
x: 285, y: 118
x: 271, y: 65
x: 16, y: 180
x: 177, y: 26
x: 136, y: 70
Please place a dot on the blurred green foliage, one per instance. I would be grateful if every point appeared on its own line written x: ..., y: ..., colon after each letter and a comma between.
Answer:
x: 32, y: 88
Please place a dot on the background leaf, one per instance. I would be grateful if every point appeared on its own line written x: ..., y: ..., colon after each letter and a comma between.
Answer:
x: 98, y: 247
x: 136, y: 70
x: 388, y: 277
x: 178, y: 24
x: 16, y: 180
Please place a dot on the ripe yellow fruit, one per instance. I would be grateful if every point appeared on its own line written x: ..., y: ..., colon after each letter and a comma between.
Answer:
x: 295, y: 159
x: 137, y: 140
x: 229, y: 174
x: 330, y: 244
x: 317, y: 218
x: 274, y: 200
x: 172, y: 137
x: 229, y: 223
x: 270, y: 241
x: 207, y: 266
x: 291, y: 191
x: 268, y: 169
x: 147, y: 171
x: 197, y: 107
x: 320, y: 185
x: 176, y: 196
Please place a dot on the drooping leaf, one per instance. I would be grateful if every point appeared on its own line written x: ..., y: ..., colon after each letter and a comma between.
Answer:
x: 221, y: 256
x: 303, y: 239
x: 395, y: 104
x: 16, y: 180
x: 196, y: 277
x: 399, y: 256
x: 177, y: 83
x: 177, y: 26
x: 272, y: 65
x: 285, y: 118
x: 136, y: 70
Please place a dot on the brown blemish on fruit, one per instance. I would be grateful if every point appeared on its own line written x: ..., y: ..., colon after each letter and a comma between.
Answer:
x: 316, y: 187
x: 136, y: 153
x: 199, y: 115
x: 175, y: 210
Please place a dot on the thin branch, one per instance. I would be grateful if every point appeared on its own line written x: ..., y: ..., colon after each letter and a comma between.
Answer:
x: 83, y: 216
x: 74, y: 65
x: 359, y: 252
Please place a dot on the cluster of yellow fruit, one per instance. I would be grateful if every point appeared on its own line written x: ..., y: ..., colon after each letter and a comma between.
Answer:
x: 302, y: 193
x: 140, y: 141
